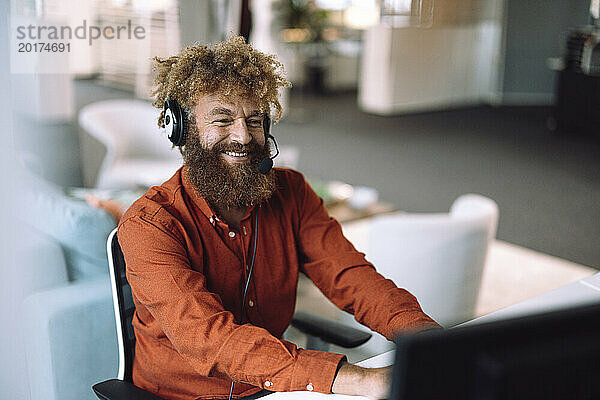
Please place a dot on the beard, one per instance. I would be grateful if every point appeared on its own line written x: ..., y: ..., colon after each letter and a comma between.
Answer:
x: 223, y: 184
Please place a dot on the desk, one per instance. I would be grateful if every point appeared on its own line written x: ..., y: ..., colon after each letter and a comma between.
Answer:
x: 584, y: 291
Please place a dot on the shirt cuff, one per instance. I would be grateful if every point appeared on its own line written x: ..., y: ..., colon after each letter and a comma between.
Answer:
x: 315, y: 370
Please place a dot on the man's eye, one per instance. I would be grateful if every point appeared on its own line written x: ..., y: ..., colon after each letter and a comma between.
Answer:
x: 255, y: 122
x: 223, y: 121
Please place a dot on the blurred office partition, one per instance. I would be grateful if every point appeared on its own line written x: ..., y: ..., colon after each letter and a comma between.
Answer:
x: 208, y: 21
x: 264, y: 36
x: 440, y: 55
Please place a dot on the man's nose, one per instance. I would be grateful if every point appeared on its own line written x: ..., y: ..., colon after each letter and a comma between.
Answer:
x: 240, y: 133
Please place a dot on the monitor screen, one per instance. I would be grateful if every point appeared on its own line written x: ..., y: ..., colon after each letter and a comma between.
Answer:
x: 548, y: 356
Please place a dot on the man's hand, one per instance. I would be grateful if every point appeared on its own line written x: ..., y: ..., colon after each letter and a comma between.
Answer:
x: 358, y: 381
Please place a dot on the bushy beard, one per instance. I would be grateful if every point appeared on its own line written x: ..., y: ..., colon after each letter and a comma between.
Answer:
x: 223, y: 184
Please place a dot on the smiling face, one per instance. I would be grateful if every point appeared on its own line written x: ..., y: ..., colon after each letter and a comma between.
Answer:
x: 230, y: 125
x: 223, y: 149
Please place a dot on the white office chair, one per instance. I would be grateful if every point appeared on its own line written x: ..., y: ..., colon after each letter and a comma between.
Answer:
x: 138, y: 153
x: 439, y: 258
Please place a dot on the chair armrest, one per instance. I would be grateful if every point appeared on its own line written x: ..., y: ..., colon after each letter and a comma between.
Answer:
x: 330, y: 331
x: 116, y: 389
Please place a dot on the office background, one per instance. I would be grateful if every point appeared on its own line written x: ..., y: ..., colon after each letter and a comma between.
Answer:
x: 499, y: 137
x: 546, y: 182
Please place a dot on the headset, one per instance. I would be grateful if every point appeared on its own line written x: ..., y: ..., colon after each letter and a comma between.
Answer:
x: 175, y: 123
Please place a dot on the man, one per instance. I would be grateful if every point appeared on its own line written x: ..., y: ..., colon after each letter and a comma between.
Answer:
x: 213, y: 254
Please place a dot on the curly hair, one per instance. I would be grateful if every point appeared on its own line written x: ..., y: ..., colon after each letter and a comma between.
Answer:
x: 230, y: 68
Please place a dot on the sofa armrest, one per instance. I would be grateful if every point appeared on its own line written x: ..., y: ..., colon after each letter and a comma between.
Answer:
x: 42, y: 262
x: 71, y: 340
x: 329, y: 331
x: 116, y: 389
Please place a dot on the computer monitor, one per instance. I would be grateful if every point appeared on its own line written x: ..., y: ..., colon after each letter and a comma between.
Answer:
x: 548, y: 356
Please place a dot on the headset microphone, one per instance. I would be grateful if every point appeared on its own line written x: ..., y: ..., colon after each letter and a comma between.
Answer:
x: 265, y: 166
x: 267, y: 163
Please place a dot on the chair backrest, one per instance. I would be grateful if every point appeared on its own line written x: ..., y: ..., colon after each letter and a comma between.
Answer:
x: 128, y: 129
x: 124, y: 307
x: 437, y: 257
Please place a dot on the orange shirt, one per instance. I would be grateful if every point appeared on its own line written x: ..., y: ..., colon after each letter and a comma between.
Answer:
x: 188, y: 269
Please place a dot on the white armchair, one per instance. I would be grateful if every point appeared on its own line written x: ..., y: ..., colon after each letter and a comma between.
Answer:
x: 138, y: 153
x: 437, y: 257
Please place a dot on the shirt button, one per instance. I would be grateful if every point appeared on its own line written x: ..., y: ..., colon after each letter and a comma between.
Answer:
x: 268, y: 383
x: 232, y: 234
x: 251, y: 303
x: 310, y: 387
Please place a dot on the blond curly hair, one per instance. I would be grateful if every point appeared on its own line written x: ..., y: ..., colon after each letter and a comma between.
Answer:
x: 230, y: 68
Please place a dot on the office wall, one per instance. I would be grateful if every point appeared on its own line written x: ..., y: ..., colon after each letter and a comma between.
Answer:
x: 454, y: 63
x: 533, y: 32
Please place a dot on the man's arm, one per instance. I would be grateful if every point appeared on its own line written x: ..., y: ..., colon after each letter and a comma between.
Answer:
x: 370, y: 382
x: 358, y: 381
x: 347, y: 278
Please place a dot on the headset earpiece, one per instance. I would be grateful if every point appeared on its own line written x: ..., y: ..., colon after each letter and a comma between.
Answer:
x: 175, y: 122
x: 267, y: 126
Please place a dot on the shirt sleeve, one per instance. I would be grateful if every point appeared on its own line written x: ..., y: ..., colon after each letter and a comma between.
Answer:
x: 347, y: 278
x: 200, y: 329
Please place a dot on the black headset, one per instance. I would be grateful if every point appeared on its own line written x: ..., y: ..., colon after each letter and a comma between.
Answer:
x: 175, y: 123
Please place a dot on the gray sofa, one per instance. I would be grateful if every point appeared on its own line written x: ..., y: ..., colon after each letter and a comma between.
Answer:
x: 66, y: 326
